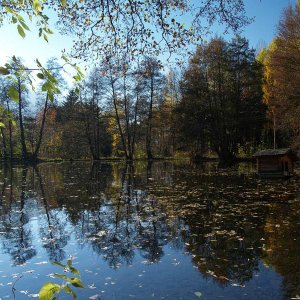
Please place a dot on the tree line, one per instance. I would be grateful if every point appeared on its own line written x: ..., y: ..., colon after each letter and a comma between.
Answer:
x: 228, y: 102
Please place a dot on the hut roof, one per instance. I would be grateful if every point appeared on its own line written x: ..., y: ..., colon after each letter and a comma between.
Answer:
x: 275, y: 152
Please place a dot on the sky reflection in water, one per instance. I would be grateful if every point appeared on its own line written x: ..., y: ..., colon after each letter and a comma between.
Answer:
x: 161, y: 231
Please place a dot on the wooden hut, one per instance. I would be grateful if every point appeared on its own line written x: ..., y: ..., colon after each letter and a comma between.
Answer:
x: 275, y: 162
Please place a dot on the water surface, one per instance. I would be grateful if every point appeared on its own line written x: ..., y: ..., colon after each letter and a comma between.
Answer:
x: 162, y: 231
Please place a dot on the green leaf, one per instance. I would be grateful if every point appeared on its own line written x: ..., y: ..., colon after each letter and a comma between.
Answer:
x: 69, y: 262
x: 76, y: 78
x: 21, y: 31
x: 74, y: 270
x: 77, y: 91
x: 24, y: 25
x: 38, y: 63
x: 14, y: 19
x: 68, y: 290
x: 46, y: 86
x: 40, y: 75
x: 48, y: 290
x: 198, y: 294
x: 80, y: 73
x: 60, y: 276
x: 63, y: 3
x: 4, y: 71
x: 20, y: 18
x: 64, y: 57
x: 49, y: 31
x: 76, y: 282
x: 9, y: 10
x: 37, y: 5
x: 45, y: 37
x: 59, y: 264
x: 13, y: 93
x: 50, y: 96
x: 2, y: 125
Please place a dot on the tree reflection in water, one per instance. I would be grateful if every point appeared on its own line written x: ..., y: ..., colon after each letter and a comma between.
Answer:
x: 53, y: 226
x: 16, y: 234
x: 227, y: 221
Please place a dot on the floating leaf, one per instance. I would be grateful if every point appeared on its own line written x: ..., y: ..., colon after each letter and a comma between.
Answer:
x: 198, y: 294
x: 95, y: 297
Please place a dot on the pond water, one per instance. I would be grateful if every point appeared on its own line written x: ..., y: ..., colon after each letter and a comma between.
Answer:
x: 170, y: 230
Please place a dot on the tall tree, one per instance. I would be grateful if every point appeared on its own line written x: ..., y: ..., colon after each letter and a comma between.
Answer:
x: 93, y: 96
x: 54, y: 72
x: 125, y: 98
x: 18, y: 89
x: 71, y: 120
x: 222, y: 97
x: 282, y: 78
x: 152, y: 84
x: 7, y: 119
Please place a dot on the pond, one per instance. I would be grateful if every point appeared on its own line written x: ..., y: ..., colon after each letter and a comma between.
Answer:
x: 169, y: 230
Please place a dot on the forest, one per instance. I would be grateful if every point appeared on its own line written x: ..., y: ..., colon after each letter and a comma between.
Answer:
x: 225, y: 101
x: 138, y: 171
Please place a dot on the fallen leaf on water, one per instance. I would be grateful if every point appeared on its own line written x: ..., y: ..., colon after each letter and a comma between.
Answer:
x: 95, y: 297
x: 223, y: 278
x: 198, y: 294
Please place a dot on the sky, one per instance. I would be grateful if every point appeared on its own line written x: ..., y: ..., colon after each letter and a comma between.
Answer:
x: 266, y: 15
x: 261, y: 31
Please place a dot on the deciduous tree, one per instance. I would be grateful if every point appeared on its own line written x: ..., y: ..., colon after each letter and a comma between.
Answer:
x: 282, y: 78
x: 221, y: 104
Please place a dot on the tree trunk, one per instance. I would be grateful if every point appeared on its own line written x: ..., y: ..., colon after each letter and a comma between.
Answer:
x: 128, y: 129
x: 149, y: 125
x: 23, y: 142
x: 135, y: 122
x: 118, y: 118
x: 10, y: 134
x: 227, y: 158
x: 40, y: 138
x: 4, y: 144
x: 88, y: 131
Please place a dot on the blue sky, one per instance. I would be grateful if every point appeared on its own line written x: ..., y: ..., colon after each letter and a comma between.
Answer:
x: 262, y: 30
x: 267, y: 15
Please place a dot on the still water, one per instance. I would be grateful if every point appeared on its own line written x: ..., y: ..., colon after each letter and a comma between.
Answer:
x: 162, y: 231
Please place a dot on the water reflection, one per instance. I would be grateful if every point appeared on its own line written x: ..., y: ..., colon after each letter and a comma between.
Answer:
x: 52, y: 226
x: 227, y: 221
x: 16, y: 234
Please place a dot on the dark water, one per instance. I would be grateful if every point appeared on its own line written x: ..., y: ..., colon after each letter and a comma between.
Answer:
x: 165, y: 231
